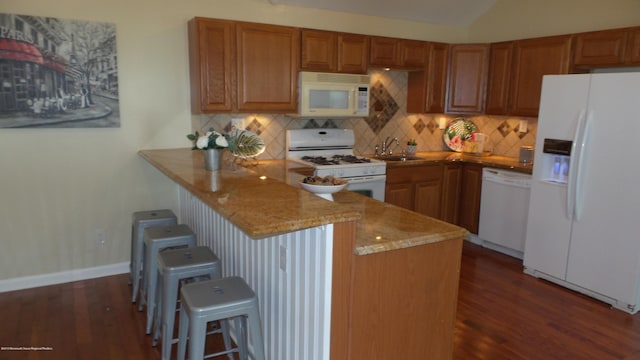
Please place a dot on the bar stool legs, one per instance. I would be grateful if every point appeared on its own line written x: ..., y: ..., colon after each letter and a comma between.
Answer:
x: 176, y: 266
x: 141, y: 221
x: 212, y: 300
x: 156, y: 239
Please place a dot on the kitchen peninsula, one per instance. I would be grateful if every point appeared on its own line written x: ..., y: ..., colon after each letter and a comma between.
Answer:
x: 350, y: 279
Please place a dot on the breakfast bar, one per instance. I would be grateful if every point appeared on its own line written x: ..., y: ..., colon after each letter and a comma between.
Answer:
x: 352, y: 278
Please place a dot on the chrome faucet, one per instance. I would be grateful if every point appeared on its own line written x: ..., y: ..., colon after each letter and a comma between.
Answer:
x: 385, y: 151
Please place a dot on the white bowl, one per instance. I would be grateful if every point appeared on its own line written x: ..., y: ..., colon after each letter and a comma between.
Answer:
x: 323, y: 189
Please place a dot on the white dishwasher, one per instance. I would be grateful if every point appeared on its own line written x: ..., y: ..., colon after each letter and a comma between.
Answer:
x: 504, y: 207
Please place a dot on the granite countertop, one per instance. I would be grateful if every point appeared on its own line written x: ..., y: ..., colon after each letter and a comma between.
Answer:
x: 494, y: 161
x: 264, y: 200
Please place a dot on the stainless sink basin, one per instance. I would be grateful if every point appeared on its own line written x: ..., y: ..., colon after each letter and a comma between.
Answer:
x: 402, y: 158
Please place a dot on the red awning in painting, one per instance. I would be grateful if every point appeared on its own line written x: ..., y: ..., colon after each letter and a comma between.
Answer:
x: 21, y: 51
x: 52, y: 64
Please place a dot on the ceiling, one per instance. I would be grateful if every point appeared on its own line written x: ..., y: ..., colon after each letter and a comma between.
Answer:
x: 444, y: 12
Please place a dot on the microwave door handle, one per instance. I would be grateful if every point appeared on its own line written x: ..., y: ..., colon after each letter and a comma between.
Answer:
x: 353, y: 100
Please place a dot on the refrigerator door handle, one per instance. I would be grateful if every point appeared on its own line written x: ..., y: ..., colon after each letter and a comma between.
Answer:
x: 579, y: 175
x: 574, y: 161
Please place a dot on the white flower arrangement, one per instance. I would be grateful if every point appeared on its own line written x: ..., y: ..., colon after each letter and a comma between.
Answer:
x: 211, y: 140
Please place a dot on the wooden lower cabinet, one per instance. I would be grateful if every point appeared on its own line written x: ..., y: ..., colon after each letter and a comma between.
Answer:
x: 470, y: 190
x: 449, y: 192
x: 396, y: 304
x: 451, y: 181
x: 416, y: 188
x: 404, y: 303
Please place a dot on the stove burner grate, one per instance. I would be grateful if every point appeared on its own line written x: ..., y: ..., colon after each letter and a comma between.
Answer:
x: 352, y: 159
x: 336, y: 160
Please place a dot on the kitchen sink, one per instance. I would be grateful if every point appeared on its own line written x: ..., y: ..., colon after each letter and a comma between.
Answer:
x: 401, y: 158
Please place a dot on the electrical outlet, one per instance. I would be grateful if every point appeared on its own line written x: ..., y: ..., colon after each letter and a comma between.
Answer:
x: 283, y: 258
x: 101, y: 237
x: 238, y: 123
x: 522, y: 126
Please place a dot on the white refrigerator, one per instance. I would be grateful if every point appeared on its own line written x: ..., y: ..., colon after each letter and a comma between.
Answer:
x: 584, y: 210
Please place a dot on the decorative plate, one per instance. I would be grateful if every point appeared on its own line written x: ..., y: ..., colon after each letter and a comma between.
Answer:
x: 245, y: 144
x: 459, y: 131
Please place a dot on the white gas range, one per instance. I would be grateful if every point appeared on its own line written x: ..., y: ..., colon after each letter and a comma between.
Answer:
x: 330, y: 152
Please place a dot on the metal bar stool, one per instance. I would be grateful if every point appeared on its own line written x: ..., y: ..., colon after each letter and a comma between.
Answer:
x: 211, y: 300
x: 156, y: 239
x: 141, y: 221
x: 176, y: 266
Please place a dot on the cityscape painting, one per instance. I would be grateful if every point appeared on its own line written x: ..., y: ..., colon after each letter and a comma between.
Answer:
x: 57, y: 73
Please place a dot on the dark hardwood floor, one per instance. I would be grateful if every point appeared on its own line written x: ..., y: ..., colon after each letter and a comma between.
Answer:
x: 502, y: 314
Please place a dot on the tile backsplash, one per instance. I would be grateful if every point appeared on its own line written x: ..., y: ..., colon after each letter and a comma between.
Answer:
x: 388, y: 118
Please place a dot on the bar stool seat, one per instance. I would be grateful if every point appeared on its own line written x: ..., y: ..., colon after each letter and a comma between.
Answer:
x: 212, y: 300
x: 157, y: 239
x: 142, y: 220
x: 175, y: 266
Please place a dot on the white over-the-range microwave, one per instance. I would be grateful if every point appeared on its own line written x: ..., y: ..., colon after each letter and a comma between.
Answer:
x: 333, y: 95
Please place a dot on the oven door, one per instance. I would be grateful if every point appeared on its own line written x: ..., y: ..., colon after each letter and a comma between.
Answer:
x: 371, y: 186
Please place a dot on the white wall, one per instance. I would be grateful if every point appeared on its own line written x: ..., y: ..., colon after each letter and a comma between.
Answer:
x: 58, y: 186
x: 520, y: 19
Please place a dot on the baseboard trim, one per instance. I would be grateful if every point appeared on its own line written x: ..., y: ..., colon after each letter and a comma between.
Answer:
x: 27, y: 282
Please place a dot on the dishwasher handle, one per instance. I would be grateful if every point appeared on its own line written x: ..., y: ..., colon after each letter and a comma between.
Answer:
x: 506, y: 178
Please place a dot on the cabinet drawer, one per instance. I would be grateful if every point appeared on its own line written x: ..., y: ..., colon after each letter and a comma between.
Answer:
x: 404, y: 174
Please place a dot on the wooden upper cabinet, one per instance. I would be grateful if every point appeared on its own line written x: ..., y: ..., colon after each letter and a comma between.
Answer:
x: 427, y: 88
x: 499, y: 78
x: 211, y: 66
x: 267, y: 67
x: 319, y: 50
x: 600, y: 48
x: 414, y: 54
x: 633, y: 47
x: 607, y: 48
x: 534, y: 58
x: 467, y: 78
x: 437, y: 82
x: 398, y: 53
x: 238, y: 66
x: 328, y: 51
x: 353, y: 53
x: 384, y: 51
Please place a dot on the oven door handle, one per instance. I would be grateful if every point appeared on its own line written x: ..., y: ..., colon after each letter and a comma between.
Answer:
x: 365, y: 179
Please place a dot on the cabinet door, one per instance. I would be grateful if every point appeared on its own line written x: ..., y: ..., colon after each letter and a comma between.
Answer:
x: 414, y: 54
x: 600, y: 48
x: 470, y: 193
x: 437, y: 80
x: 211, y: 68
x: 267, y: 66
x: 499, y: 78
x: 451, y: 180
x: 467, y: 78
x: 534, y: 58
x: 384, y: 51
x: 428, y: 195
x: 398, y: 53
x: 427, y: 88
x: 319, y: 50
x: 400, y: 195
x: 353, y: 53
x: 633, y: 49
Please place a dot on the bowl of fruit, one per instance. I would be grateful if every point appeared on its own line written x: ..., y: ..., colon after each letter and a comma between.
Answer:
x: 323, y: 186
